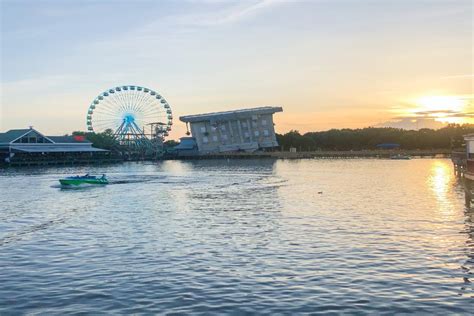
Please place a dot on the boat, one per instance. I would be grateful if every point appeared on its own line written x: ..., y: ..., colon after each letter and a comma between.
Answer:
x: 400, y: 157
x: 85, y: 179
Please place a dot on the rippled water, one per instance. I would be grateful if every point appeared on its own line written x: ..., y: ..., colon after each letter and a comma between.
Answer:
x: 243, y: 236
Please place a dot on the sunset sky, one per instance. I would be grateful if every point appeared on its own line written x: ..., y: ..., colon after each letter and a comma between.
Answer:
x: 328, y: 63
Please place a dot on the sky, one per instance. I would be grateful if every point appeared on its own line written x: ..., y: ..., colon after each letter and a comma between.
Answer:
x: 328, y: 63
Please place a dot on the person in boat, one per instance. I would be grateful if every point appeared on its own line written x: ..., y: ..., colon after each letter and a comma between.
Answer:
x: 103, y: 176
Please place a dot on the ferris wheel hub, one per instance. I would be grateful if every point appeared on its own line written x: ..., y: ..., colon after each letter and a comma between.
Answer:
x: 129, y: 118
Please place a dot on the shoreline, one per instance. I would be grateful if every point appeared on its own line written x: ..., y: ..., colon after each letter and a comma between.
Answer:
x: 354, y: 154
x: 324, y: 154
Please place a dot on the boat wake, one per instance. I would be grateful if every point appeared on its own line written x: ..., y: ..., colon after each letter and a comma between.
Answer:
x: 129, y: 181
x: 133, y: 179
x: 82, y: 186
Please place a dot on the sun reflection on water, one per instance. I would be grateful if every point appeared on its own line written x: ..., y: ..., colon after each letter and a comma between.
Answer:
x: 440, y: 182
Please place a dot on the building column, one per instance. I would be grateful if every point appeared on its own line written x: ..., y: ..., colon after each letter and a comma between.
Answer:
x: 250, y: 130
x: 239, y: 126
x: 231, y: 132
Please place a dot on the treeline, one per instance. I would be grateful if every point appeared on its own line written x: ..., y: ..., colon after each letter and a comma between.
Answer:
x: 106, y: 140
x: 447, y: 137
x: 450, y: 136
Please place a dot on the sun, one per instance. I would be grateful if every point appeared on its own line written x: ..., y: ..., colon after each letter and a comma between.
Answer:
x: 441, y: 103
x: 446, y: 109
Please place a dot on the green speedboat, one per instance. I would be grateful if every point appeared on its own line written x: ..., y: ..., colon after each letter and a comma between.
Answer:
x: 86, y: 179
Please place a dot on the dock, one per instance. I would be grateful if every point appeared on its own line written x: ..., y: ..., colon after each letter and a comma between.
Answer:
x: 352, y: 154
x: 459, y: 160
x: 59, y: 162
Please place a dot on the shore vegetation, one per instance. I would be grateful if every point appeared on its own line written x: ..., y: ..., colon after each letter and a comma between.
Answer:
x: 368, y: 138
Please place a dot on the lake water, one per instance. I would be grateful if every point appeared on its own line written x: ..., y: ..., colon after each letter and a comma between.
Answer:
x: 238, y: 237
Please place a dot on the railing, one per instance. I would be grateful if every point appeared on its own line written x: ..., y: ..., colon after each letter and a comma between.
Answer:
x: 46, y: 162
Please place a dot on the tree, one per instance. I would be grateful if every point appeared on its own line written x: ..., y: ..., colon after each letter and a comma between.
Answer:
x: 170, y: 143
x: 447, y: 137
x: 103, y: 140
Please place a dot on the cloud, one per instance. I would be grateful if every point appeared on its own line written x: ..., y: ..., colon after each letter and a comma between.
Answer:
x: 409, y: 123
x: 241, y: 13
x: 219, y: 13
x: 465, y: 109
x: 440, y: 114
x: 433, y: 112
x: 461, y: 115
x: 418, y: 119
x: 467, y: 76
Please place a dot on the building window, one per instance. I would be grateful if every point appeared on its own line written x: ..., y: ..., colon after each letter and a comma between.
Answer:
x: 265, y: 132
x: 264, y: 122
x: 214, y: 138
x: 224, y: 137
x: 254, y: 123
x: 205, y: 139
x: 244, y: 124
x: 203, y: 129
x: 254, y: 117
x: 247, y: 135
x: 257, y: 133
x: 222, y: 127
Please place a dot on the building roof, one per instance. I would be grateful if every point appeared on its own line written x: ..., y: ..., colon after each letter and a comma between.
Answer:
x: 12, y: 134
x: 68, y: 139
x: 234, y: 114
x: 54, y: 148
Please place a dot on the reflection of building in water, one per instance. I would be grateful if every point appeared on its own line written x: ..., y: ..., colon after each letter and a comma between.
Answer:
x: 239, y: 130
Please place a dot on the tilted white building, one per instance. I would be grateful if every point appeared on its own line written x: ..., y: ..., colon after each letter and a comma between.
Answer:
x: 239, y: 130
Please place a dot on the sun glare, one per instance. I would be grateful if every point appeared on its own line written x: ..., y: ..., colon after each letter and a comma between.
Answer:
x: 441, y: 103
x: 446, y: 109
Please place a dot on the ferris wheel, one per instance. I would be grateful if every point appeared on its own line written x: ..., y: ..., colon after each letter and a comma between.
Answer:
x: 130, y: 111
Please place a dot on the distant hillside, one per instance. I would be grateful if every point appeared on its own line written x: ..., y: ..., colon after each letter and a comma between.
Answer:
x: 450, y: 136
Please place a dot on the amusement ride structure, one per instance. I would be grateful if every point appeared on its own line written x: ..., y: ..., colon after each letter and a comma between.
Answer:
x: 138, y: 117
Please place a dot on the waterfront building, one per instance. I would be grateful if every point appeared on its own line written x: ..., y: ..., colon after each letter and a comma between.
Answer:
x: 465, y: 160
x: 187, y: 147
x: 469, y: 140
x: 238, y: 130
x: 25, y: 146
